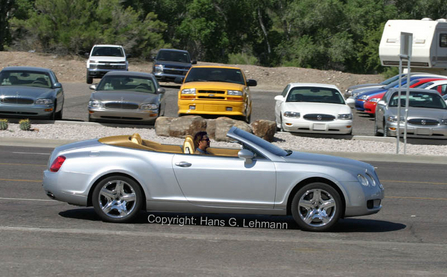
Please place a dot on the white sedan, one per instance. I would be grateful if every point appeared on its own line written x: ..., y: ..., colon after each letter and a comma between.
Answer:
x: 312, y: 108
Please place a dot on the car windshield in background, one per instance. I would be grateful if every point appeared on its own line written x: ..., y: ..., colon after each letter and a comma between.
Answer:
x: 108, y: 51
x: 25, y: 78
x: 173, y: 56
x: 315, y: 94
x: 419, y: 100
x: 227, y: 75
x: 126, y: 83
x: 262, y: 143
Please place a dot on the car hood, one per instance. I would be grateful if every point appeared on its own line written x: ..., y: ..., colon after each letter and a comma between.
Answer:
x: 323, y: 108
x: 213, y: 85
x: 108, y: 59
x: 364, y: 86
x: 173, y: 64
x: 22, y: 91
x: 327, y: 160
x: 125, y: 96
x: 421, y: 112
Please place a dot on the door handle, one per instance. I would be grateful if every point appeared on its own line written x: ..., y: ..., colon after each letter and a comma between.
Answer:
x: 183, y: 164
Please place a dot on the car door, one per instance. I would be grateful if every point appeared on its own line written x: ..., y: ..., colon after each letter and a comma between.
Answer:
x: 227, y: 182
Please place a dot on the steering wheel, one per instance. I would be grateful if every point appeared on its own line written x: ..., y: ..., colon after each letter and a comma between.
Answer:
x: 143, y: 86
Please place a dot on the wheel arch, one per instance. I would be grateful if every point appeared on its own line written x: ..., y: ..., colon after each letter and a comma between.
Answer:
x: 315, y: 180
x: 92, y: 188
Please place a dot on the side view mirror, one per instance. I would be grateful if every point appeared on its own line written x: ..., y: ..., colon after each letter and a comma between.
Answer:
x: 194, y: 62
x: 57, y: 85
x: 246, y: 155
x: 92, y: 87
x: 178, y: 80
x: 87, y: 54
x: 381, y: 103
x: 252, y: 83
x: 129, y: 56
x: 161, y: 90
x: 279, y: 98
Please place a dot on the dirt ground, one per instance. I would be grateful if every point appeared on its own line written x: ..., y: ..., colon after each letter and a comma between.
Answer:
x: 72, y: 69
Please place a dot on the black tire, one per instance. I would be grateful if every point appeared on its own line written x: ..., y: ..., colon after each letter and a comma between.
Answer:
x: 376, y: 129
x: 281, y: 128
x: 59, y: 114
x: 53, y: 115
x: 326, y: 207
x: 89, y: 79
x: 117, y: 199
x: 248, y: 118
x: 385, y: 129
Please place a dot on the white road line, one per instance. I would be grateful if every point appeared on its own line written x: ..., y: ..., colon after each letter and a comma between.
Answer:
x: 27, y: 199
x: 31, y: 153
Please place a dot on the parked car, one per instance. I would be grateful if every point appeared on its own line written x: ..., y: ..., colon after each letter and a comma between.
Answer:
x: 130, y: 174
x: 127, y: 96
x: 370, y: 103
x: 312, y: 108
x: 31, y: 92
x: 439, y: 85
x: 104, y: 58
x: 349, y: 90
x: 170, y: 64
x: 427, y: 114
x: 215, y: 90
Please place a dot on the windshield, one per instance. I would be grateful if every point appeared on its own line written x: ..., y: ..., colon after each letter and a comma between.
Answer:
x: 315, y: 94
x: 120, y: 83
x: 108, y: 51
x: 173, y: 56
x: 419, y: 100
x: 210, y: 74
x: 392, y: 79
x: 25, y: 78
x: 426, y: 85
x: 261, y: 143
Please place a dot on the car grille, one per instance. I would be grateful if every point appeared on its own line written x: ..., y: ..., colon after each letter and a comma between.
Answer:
x: 109, y: 65
x: 423, y: 122
x: 319, y: 117
x: 212, y: 91
x: 17, y: 100
x: 120, y: 105
x: 175, y: 71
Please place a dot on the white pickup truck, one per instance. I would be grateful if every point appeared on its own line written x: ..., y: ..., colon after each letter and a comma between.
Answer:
x: 104, y: 58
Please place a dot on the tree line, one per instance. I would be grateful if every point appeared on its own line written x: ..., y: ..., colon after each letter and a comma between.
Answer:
x: 324, y: 34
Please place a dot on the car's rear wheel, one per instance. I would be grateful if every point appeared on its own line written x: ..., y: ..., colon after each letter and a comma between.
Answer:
x: 117, y: 199
x: 316, y: 207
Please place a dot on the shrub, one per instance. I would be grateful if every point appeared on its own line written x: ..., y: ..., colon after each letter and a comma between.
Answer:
x: 3, y: 124
x: 242, y: 58
x: 25, y: 125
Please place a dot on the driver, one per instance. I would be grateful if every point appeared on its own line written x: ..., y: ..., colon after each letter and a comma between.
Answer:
x: 201, y: 142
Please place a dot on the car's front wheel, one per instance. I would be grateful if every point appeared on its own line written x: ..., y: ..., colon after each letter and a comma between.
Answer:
x: 316, y: 207
x: 89, y: 79
x: 117, y: 199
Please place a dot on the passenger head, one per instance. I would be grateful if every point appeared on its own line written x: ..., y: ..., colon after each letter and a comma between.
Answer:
x: 201, y: 140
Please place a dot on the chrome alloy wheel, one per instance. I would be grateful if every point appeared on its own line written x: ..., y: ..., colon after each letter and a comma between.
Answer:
x: 317, y: 207
x: 117, y: 199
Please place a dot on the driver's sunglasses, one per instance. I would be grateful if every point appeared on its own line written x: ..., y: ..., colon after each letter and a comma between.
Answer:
x: 206, y: 139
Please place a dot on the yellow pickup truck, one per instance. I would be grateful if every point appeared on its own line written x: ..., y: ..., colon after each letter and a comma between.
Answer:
x: 215, y: 90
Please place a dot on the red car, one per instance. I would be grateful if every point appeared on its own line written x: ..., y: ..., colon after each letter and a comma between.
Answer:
x: 371, y: 102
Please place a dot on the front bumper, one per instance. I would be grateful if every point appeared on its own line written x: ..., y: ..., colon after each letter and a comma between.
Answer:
x: 31, y: 110
x: 167, y: 77
x: 99, y: 73
x: 418, y: 131
x: 123, y: 115
x: 230, y: 108
x: 300, y: 125
x: 363, y: 200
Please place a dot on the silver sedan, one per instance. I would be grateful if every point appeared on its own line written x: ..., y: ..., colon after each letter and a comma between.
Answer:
x: 127, y: 96
x: 122, y: 175
x: 427, y: 114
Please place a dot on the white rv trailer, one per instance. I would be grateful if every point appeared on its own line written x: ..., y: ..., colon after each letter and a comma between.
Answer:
x: 429, y: 49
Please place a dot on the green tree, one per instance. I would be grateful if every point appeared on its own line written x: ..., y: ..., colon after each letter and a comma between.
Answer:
x: 6, y: 7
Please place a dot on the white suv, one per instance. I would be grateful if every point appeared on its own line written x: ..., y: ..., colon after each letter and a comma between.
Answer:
x: 104, y: 58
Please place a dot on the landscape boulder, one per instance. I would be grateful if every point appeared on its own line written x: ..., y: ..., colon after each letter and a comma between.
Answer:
x: 162, y: 125
x: 186, y: 125
x: 264, y: 129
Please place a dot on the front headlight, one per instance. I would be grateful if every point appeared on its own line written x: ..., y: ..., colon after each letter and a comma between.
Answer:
x: 393, y: 118
x: 189, y: 91
x: 364, y: 97
x: 444, y: 121
x: 158, y: 68
x: 346, y: 116
x: 44, y: 101
x: 148, y: 107
x: 374, y: 100
x: 95, y: 104
x: 362, y: 179
x: 234, y: 92
x: 292, y: 114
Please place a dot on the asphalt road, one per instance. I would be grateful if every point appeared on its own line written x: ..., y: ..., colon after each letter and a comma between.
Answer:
x: 43, y: 237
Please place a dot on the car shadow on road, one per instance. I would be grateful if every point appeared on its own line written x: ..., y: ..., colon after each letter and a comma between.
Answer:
x: 351, y: 225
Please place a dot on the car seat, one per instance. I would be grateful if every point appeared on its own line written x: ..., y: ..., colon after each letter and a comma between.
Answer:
x: 136, y: 138
x: 188, y: 145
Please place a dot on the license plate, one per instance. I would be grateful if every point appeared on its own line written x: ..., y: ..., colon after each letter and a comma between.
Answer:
x: 319, y: 127
x: 423, y: 131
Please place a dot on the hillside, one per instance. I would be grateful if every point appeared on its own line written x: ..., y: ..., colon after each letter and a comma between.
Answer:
x: 71, y: 69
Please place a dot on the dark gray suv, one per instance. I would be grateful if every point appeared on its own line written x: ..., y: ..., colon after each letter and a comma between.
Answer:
x: 170, y: 64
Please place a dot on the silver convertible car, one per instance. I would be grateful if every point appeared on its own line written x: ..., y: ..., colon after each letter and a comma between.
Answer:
x: 30, y: 92
x: 121, y: 175
x: 427, y: 114
x: 127, y: 96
